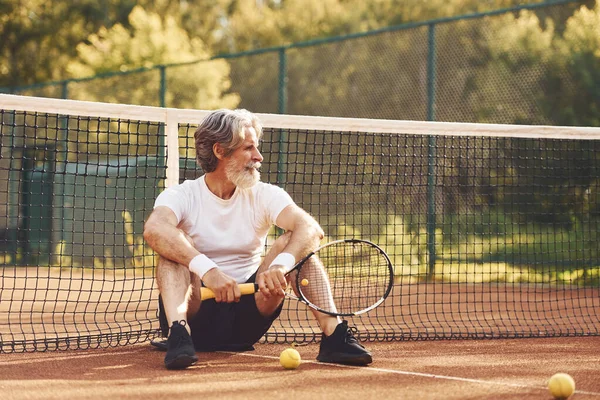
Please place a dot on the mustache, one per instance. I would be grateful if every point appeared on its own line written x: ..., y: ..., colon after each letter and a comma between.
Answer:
x: 253, y: 165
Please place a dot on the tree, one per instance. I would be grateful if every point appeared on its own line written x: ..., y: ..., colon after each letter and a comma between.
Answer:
x: 525, y: 53
x: 252, y: 24
x: 148, y: 42
x: 537, y: 74
x: 203, y: 19
x: 512, y: 58
x: 576, y: 52
x: 38, y: 37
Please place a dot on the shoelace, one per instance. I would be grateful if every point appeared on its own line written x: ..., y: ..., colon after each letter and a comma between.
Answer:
x: 178, y: 337
x: 350, y: 332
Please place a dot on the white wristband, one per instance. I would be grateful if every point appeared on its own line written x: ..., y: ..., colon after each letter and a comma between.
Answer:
x: 201, y: 264
x: 286, y: 260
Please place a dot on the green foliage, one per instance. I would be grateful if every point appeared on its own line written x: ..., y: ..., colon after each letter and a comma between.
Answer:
x: 534, y: 71
x: 577, y: 51
x: 524, y: 52
x: 147, y: 42
x: 490, y: 272
x: 203, y: 19
x: 486, y: 247
x: 500, y: 238
x: 251, y: 24
x: 38, y: 37
x: 401, y: 237
x: 456, y: 228
x: 405, y: 244
x: 517, y: 50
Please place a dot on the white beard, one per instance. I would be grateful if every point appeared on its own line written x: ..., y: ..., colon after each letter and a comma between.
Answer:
x: 243, y: 177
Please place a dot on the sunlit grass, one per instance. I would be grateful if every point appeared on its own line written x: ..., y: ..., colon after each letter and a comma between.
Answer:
x: 6, y: 258
x: 533, y: 254
x: 467, y: 250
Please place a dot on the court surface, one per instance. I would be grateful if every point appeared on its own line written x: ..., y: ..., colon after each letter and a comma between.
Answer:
x: 454, y: 369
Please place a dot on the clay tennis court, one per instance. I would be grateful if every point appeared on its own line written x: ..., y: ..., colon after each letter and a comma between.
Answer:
x: 415, y: 369
x: 465, y: 369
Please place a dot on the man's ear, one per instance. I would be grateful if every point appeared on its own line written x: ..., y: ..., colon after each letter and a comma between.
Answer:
x: 218, y: 151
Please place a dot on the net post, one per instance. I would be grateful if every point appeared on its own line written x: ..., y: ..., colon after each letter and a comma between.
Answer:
x: 13, y: 189
x: 431, y: 65
x: 60, y: 172
x: 172, y: 144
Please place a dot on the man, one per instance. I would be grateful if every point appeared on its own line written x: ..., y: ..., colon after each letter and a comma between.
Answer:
x: 211, y: 231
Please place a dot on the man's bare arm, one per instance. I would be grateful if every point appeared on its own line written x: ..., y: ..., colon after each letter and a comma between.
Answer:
x: 163, y: 235
x: 306, y: 232
x: 165, y: 238
x: 306, y: 235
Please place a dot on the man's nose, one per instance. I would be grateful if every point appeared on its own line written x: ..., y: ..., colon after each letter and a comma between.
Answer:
x: 257, y: 156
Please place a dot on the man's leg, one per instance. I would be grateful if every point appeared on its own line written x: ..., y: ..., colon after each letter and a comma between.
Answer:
x: 266, y: 306
x: 160, y: 343
x: 174, y: 283
x: 338, y: 344
x: 179, y: 290
x: 162, y: 319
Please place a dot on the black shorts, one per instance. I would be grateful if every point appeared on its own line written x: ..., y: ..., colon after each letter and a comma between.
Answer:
x: 230, y: 326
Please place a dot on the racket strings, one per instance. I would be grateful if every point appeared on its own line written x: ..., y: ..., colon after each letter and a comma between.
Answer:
x: 346, y: 277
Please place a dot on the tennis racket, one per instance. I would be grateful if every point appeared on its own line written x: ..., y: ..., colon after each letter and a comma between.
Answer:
x: 342, y: 278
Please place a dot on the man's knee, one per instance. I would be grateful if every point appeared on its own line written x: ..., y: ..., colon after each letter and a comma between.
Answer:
x: 171, y: 274
x: 164, y: 263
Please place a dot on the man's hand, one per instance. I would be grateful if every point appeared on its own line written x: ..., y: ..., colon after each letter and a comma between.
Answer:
x: 272, y: 282
x: 225, y: 288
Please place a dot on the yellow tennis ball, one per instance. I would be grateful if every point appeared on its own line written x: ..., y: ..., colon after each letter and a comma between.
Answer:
x: 304, y: 282
x: 561, y: 386
x: 290, y: 358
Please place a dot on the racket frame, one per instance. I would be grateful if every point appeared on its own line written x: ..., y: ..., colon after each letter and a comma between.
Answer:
x: 387, y: 292
x: 251, y: 288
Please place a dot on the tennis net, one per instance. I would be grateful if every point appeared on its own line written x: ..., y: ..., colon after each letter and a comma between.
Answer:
x: 492, y: 229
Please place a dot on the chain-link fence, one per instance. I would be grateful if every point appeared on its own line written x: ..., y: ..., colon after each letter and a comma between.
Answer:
x: 453, y: 69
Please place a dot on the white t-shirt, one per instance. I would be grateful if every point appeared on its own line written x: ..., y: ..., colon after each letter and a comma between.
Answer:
x: 230, y: 232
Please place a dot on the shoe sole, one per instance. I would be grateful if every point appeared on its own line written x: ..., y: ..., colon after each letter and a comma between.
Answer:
x: 181, y: 362
x: 342, y: 358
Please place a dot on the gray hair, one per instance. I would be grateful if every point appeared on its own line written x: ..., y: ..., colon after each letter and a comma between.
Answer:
x: 225, y: 127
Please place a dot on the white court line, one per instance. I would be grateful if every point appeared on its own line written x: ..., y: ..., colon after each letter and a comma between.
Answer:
x: 425, y: 375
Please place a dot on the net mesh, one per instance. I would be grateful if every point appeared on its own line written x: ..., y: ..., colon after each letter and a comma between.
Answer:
x: 75, y: 191
x: 489, y: 236
x: 345, y: 277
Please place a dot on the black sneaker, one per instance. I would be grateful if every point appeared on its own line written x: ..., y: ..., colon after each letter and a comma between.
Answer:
x: 341, y: 347
x: 180, y: 348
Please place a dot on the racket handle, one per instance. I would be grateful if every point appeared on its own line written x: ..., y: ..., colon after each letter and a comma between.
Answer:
x: 245, y: 288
